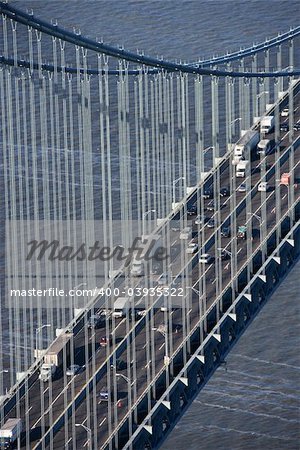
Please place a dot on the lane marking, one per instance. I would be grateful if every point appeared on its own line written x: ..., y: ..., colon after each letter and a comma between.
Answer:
x: 239, y: 251
x: 102, y: 421
x: 68, y: 442
x: 93, y: 335
x: 161, y: 346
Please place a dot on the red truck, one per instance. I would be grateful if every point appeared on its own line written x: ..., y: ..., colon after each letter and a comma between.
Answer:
x: 285, y: 179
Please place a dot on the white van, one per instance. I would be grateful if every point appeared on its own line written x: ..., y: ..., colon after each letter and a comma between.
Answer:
x: 186, y: 233
x: 137, y: 268
x: 264, y: 147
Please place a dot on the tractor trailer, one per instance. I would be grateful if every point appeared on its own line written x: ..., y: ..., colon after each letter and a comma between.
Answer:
x: 248, y: 141
x: 55, y: 355
x: 267, y: 124
x: 10, y: 432
x: 241, y: 169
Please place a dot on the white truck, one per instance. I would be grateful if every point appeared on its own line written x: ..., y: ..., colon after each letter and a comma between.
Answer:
x: 10, y: 432
x: 120, y: 306
x: 55, y: 355
x: 266, y: 124
x: 264, y: 147
x: 150, y: 244
x: 248, y: 141
x: 241, y: 169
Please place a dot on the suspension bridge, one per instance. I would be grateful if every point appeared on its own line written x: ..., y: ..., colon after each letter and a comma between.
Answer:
x: 104, y: 149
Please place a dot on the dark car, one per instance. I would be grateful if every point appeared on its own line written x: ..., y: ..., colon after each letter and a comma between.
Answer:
x: 224, y: 192
x: 284, y: 127
x: 120, y: 365
x: 192, y: 210
x: 211, y: 223
x: 104, y: 394
x: 224, y: 254
x: 94, y: 321
x: 207, y: 193
x: 210, y: 206
x: 296, y: 126
x: 156, y: 268
x: 104, y: 341
x: 225, y: 232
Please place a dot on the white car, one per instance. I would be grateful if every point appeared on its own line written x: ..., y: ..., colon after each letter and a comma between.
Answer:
x: 200, y: 220
x: 73, y: 370
x: 242, y: 188
x: 285, y: 112
x: 186, y: 233
x: 262, y: 187
x: 192, y: 248
x: 205, y: 258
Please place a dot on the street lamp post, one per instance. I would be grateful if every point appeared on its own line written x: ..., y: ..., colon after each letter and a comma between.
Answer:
x: 144, y: 216
x: 125, y: 378
x: 174, y: 184
x: 4, y: 371
x: 89, y: 432
x: 257, y: 98
x: 257, y: 218
x: 37, y: 332
x: 75, y: 296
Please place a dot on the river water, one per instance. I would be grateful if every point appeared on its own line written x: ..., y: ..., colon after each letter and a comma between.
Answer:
x: 255, y: 403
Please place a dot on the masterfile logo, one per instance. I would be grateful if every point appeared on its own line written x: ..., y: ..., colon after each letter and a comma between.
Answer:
x: 46, y: 260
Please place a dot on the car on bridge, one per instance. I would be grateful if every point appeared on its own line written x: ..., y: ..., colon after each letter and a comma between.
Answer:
x: 242, y: 188
x: 192, y: 211
x: 242, y: 232
x: 104, y: 341
x: 224, y: 192
x: 210, y: 206
x: 205, y: 258
x: 211, y: 223
x: 94, y: 321
x: 224, y: 254
x: 200, y: 220
x: 263, y: 187
x: 285, y: 112
x: 225, y: 232
x: 73, y: 370
x: 207, y: 193
x: 296, y: 127
x: 284, y: 127
x: 186, y: 233
x: 104, y: 394
x: 192, y: 248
